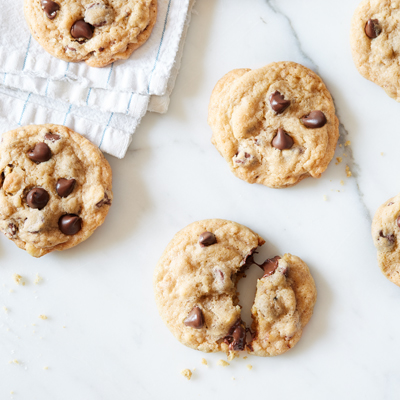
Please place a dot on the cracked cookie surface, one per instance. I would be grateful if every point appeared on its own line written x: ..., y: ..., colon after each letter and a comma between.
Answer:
x: 275, y: 125
x: 375, y: 43
x: 386, y: 235
x: 56, y: 188
x: 282, y: 307
x: 98, y: 32
x: 195, y: 288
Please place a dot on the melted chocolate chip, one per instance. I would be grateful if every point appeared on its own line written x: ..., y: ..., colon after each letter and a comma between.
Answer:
x: 278, y: 103
x: 65, y: 187
x: 52, y: 137
x: 37, y: 198
x: 315, y: 119
x: 82, y: 30
x: 105, y: 201
x: 389, y: 237
x: 269, y: 266
x: 195, y: 318
x: 11, y: 230
x: 282, y: 141
x: 70, y: 224
x: 40, y: 153
x: 207, y: 239
x: 50, y: 8
x: 373, y: 28
x: 236, y: 337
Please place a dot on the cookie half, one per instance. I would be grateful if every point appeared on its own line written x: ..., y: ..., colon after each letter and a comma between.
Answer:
x: 386, y: 235
x: 98, y: 32
x: 195, y: 288
x: 375, y: 43
x: 275, y: 125
x: 55, y: 188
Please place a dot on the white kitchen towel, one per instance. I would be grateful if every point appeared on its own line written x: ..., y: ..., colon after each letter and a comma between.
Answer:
x: 32, y: 90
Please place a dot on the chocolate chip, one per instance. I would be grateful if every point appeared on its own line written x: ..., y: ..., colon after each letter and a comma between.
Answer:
x: 315, y: 119
x: 11, y: 230
x: 282, y: 141
x: 236, y: 337
x: 50, y: 8
x: 269, y: 266
x: 82, y: 30
x: 278, y: 103
x: 40, y: 153
x: 37, y: 198
x: 195, y: 318
x: 207, y: 239
x: 52, y: 137
x: 389, y: 204
x: 398, y: 221
x: 373, y: 28
x: 101, y: 49
x: 70, y: 224
x: 389, y: 237
x: 105, y: 201
x: 65, y: 187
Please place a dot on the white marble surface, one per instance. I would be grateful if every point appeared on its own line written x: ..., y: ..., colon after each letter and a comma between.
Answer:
x: 114, y: 345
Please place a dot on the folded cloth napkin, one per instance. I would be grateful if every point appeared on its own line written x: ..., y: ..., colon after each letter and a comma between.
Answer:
x: 104, y: 104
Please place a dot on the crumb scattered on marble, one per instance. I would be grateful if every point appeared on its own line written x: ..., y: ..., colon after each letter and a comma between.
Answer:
x: 18, y: 279
x: 223, y: 363
x: 38, y: 279
x: 41, y: 316
x: 348, y: 143
x: 339, y: 160
x: 46, y: 367
x: 348, y: 172
x: 14, y: 362
x: 245, y: 358
x: 64, y: 326
x: 233, y: 378
x: 325, y: 197
x: 11, y: 291
x: 344, y: 155
x: 187, y: 373
x: 342, y: 182
x: 204, y: 361
x: 249, y: 367
x: 382, y: 153
x: 5, y: 309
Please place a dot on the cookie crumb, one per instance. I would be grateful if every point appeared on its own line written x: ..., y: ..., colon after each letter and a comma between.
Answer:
x: 5, y: 309
x: 249, y: 367
x: 245, y: 358
x: 348, y: 172
x: 382, y: 153
x: 233, y: 354
x: 344, y: 155
x: 187, y: 373
x: 41, y: 316
x: 18, y: 279
x: 46, y: 367
x: 14, y: 362
x: 204, y: 361
x: 223, y: 363
x: 233, y: 378
x: 11, y: 291
x: 339, y: 160
x: 342, y: 182
x: 38, y: 279
x: 347, y: 143
x: 325, y: 197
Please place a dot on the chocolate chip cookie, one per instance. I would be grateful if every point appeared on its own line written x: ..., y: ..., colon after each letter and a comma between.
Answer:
x: 55, y: 188
x: 275, y: 125
x: 375, y: 44
x: 98, y: 32
x: 195, y: 288
x: 386, y: 236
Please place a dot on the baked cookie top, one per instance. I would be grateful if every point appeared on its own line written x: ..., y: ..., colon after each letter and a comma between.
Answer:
x: 98, y: 32
x: 283, y: 305
x: 375, y: 43
x: 275, y: 125
x: 195, y: 288
x: 55, y: 188
x: 195, y: 281
x: 386, y: 235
